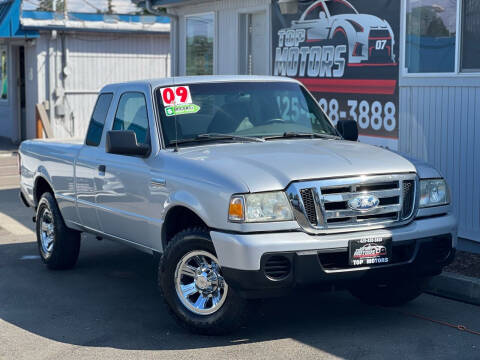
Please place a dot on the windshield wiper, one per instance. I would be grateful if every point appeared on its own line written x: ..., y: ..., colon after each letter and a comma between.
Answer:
x: 215, y: 137
x: 293, y: 134
x: 219, y: 136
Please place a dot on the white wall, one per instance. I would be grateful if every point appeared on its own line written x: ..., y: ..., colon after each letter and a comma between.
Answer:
x: 227, y: 14
x: 94, y: 60
x: 440, y: 124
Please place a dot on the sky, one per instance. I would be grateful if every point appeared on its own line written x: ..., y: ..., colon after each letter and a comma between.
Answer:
x: 120, y: 6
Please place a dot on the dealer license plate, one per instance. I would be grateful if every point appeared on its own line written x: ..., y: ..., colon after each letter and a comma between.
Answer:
x: 370, y: 251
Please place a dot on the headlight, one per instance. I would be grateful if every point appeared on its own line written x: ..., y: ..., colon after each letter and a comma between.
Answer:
x: 261, y: 207
x: 433, y: 192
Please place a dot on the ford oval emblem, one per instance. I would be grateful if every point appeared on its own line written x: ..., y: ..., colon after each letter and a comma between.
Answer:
x: 363, y: 202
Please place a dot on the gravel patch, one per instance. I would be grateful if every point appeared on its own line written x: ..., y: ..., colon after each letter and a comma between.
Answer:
x: 465, y: 263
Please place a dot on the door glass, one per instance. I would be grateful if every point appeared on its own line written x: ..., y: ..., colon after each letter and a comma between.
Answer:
x: 3, y: 72
x: 95, y: 129
x: 132, y: 115
x: 470, y: 35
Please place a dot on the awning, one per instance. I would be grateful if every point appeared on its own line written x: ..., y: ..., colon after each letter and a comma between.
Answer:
x: 10, y: 21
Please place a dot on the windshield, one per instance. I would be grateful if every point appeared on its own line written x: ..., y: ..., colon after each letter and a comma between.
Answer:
x: 240, y: 109
x: 340, y: 7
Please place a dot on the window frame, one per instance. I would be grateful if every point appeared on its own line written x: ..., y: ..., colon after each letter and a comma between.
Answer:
x: 106, y: 117
x: 215, y: 42
x: 149, y: 135
x: 457, y: 72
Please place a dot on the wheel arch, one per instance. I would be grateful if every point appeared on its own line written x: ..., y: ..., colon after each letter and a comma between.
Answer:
x: 177, y: 218
x: 41, y: 186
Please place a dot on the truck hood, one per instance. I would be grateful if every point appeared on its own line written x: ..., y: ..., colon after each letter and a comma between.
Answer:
x: 273, y: 165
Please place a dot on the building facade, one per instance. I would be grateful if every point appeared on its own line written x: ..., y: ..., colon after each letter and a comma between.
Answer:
x: 61, y: 61
x: 407, y: 70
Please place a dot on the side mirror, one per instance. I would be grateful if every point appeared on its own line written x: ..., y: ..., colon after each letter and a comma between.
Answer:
x: 348, y: 129
x: 124, y: 142
x: 322, y: 15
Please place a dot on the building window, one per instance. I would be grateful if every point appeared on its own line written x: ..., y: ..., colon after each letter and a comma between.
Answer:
x: 200, y: 35
x: 431, y: 36
x: 3, y: 72
x: 470, y: 35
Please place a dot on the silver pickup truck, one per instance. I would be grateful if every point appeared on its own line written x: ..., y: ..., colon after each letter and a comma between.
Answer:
x: 244, y: 188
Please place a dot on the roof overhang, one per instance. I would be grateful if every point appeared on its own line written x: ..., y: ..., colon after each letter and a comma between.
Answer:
x: 95, y: 22
x: 10, y: 26
x: 159, y: 4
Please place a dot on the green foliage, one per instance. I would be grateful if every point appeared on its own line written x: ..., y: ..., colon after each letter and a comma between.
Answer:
x: 47, y: 5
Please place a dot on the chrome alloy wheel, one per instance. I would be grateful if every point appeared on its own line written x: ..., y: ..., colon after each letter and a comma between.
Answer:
x: 47, y: 231
x: 198, y: 283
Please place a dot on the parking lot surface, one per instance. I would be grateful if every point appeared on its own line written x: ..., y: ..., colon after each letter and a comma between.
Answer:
x: 108, y: 308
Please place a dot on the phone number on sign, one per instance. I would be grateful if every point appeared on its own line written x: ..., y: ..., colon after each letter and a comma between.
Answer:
x: 367, y: 114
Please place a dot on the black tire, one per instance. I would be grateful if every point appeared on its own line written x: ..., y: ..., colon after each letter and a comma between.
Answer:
x: 227, y: 318
x: 63, y: 253
x: 389, y: 293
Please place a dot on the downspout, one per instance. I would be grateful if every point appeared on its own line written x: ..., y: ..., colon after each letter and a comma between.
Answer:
x: 174, y: 28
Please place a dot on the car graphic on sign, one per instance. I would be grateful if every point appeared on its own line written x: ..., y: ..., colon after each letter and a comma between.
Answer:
x: 369, y: 39
x: 370, y: 250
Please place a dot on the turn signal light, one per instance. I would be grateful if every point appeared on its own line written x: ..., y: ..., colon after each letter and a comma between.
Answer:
x: 236, y: 209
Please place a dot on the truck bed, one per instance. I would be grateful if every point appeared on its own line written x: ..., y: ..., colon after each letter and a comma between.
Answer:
x: 54, y: 159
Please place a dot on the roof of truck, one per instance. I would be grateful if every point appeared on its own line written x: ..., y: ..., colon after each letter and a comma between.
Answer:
x: 199, y: 79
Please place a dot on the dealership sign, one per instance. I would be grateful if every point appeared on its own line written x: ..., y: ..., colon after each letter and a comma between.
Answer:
x: 346, y: 54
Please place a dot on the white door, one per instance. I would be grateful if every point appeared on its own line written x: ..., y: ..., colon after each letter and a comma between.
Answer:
x: 254, y: 44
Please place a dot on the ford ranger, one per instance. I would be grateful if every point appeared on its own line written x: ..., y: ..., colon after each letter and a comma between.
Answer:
x: 243, y: 188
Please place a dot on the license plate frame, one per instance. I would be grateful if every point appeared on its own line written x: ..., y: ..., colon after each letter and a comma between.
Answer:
x: 370, y: 251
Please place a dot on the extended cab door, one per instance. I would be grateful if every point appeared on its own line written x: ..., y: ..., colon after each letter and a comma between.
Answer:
x: 123, y: 200
x: 86, y: 165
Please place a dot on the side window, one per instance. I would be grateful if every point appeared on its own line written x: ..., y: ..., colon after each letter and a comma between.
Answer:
x: 132, y: 115
x: 97, y: 122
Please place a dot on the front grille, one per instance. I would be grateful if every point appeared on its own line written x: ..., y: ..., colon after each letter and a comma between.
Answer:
x: 309, y: 204
x: 379, y: 46
x: 408, y: 197
x: 379, y: 34
x: 327, y: 204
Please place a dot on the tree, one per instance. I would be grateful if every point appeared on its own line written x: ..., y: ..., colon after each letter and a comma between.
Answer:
x: 110, y: 7
x: 47, y: 5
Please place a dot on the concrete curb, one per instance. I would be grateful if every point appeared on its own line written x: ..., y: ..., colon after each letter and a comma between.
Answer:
x: 454, y: 286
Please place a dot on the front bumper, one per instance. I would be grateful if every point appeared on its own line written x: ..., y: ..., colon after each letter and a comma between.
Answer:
x: 421, y: 248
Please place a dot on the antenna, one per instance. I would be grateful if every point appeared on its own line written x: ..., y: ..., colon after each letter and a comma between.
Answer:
x: 176, y: 133
x: 176, y: 124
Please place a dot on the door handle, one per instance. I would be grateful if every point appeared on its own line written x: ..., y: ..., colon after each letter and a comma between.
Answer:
x: 158, y: 182
x: 102, y: 169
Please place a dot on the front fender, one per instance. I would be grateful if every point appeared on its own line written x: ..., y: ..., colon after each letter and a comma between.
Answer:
x: 187, y: 200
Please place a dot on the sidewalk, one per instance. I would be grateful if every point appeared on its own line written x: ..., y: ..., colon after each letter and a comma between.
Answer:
x: 456, y: 286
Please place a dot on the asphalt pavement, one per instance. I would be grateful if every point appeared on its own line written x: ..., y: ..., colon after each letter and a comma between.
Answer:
x: 108, y: 308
